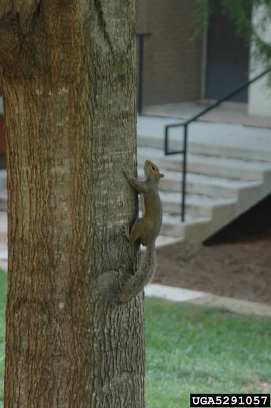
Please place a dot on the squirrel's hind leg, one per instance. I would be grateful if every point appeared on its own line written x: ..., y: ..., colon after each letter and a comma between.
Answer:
x: 137, y: 231
x: 133, y: 234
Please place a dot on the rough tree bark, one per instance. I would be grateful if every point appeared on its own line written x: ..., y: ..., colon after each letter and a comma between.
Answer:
x: 67, y: 71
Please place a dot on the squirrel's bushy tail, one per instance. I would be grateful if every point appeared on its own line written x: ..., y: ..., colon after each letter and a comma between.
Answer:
x: 135, y: 283
x: 117, y: 287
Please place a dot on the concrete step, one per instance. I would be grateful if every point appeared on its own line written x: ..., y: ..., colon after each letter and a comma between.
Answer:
x: 213, y: 149
x: 199, y: 184
x: 218, y: 190
x: 3, y: 223
x: 163, y: 240
x: 173, y: 227
x: 3, y: 200
x: 215, y: 139
x: 3, y: 190
x: 196, y: 205
x: 207, y: 165
x: 228, y: 171
x: 3, y: 241
x: 194, y: 228
x: 3, y: 180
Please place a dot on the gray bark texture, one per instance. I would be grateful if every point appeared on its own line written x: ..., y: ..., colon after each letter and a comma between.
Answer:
x: 67, y: 70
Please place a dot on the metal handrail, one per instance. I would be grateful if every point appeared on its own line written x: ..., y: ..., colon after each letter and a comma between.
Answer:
x: 185, y: 126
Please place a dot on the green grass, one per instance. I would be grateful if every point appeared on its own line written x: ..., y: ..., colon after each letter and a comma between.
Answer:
x: 2, y: 331
x: 193, y: 349
x: 197, y: 349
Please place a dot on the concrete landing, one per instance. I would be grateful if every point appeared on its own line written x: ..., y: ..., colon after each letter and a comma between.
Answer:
x: 227, y: 112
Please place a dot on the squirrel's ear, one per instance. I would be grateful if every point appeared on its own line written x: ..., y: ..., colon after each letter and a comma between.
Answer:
x: 161, y: 175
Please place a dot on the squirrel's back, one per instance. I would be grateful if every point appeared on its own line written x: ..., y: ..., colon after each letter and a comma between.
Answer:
x: 153, y: 213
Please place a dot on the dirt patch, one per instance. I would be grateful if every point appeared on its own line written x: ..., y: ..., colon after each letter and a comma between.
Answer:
x: 236, y: 263
x: 236, y: 269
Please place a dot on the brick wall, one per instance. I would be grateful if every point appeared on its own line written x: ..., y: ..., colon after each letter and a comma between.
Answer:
x: 172, y: 70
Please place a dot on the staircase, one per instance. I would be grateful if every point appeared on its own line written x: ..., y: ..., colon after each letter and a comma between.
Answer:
x: 229, y: 171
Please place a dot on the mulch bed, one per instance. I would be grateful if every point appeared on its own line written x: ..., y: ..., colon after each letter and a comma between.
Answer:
x: 235, y: 263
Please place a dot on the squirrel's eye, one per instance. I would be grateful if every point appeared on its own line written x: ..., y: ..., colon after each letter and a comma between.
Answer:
x: 153, y: 168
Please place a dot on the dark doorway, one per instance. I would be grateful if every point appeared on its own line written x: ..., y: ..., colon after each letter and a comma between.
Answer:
x: 227, y: 56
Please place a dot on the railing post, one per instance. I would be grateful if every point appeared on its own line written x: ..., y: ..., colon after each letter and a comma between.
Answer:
x: 184, y: 171
x: 166, y: 141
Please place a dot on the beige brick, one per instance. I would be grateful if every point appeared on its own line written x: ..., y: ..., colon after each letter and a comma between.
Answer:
x: 172, y: 57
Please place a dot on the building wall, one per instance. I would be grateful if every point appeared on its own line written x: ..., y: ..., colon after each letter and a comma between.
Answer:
x: 172, y: 57
x: 260, y: 91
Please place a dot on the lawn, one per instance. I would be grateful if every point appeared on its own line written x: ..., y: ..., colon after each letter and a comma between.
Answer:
x: 194, y: 349
x: 197, y: 349
x: 2, y: 331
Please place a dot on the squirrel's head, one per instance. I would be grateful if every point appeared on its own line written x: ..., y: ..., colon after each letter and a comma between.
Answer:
x: 152, y: 171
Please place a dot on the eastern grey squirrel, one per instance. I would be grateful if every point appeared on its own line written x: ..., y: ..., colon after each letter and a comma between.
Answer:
x: 115, y: 286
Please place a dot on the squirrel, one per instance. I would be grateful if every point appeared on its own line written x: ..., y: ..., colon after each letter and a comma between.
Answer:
x: 116, y: 286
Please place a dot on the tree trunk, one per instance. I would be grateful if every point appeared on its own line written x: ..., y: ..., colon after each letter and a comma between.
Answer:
x: 68, y: 77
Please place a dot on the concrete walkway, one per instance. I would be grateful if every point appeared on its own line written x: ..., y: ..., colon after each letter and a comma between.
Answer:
x: 207, y: 299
